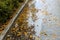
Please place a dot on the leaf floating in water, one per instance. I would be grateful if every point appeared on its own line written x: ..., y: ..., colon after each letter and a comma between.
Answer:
x: 37, y: 38
x: 43, y: 33
x: 43, y: 1
x: 44, y: 20
x: 58, y: 24
x: 45, y: 13
x: 54, y: 35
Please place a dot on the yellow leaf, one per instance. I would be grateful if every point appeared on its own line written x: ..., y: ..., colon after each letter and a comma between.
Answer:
x: 54, y: 35
x: 45, y: 13
x: 31, y: 36
x: 25, y: 33
x: 19, y: 33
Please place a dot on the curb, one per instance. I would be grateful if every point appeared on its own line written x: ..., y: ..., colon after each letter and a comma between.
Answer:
x: 12, y: 21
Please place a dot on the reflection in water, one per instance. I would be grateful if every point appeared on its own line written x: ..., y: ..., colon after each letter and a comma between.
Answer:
x: 46, y: 19
x: 38, y: 21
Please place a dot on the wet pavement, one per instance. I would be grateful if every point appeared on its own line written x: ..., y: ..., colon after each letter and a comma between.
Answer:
x: 39, y: 20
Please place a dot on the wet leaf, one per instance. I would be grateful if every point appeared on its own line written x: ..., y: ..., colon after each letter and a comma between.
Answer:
x: 25, y: 33
x: 45, y: 13
x: 31, y: 36
x: 19, y: 34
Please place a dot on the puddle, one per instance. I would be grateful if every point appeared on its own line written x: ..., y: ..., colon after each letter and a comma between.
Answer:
x: 46, y: 19
x: 39, y: 21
